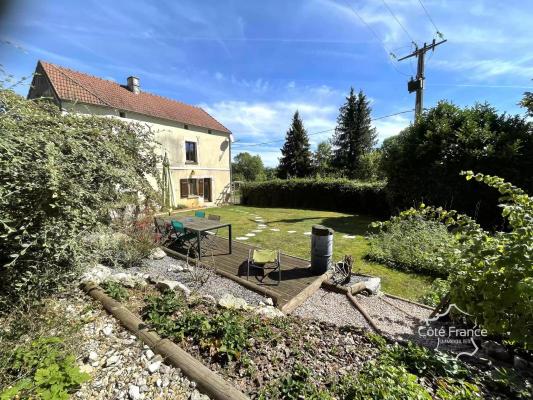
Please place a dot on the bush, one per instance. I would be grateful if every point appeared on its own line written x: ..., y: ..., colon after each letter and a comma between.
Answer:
x: 423, y: 162
x: 439, y: 289
x: 60, y: 177
x: 321, y: 194
x: 494, y: 279
x: 413, y: 244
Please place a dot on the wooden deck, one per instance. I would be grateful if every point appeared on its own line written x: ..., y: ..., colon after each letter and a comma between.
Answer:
x: 296, y: 275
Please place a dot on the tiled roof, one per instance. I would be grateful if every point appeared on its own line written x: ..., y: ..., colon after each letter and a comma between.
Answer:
x: 77, y: 86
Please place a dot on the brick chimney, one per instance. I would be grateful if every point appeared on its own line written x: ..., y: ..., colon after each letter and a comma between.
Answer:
x: 134, y: 84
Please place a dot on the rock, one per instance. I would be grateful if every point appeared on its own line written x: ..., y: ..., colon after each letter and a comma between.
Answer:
x: 209, y: 298
x: 159, y: 382
x: 269, y: 301
x: 196, y: 395
x: 269, y: 312
x: 134, y: 392
x: 88, y: 369
x: 149, y: 354
x: 93, y: 356
x: 520, y: 363
x: 112, y: 360
x: 373, y: 285
x: 127, y: 280
x: 232, y: 302
x: 165, y: 285
x: 496, y: 350
x: 175, y: 268
x: 153, y: 367
x: 96, y: 274
x: 157, y: 254
x: 107, y: 330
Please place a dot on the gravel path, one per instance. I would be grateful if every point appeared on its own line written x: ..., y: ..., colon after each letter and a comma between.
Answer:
x: 216, y: 285
x: 121, y: 367
x: 331, y: 307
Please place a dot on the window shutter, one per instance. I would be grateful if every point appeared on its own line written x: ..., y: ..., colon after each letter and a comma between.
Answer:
x: 184, y: 188
x: 200, y: 187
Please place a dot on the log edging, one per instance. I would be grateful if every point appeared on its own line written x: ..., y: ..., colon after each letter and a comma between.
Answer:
x: 208, y: 382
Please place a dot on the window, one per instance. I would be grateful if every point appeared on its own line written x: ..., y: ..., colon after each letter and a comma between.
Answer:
x: 185, y: 126
x: 122, y: 114
x: 209, y: 131
x: 190, y: 152
x: 195, y: 187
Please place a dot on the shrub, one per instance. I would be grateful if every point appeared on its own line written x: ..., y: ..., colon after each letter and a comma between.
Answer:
x: 439, y: 289
x: 413, y: 244
x: 423, y: 162
x: 115, y: 290
x: 493, y: 280
x: 321, y: 194
x: 60, y: 176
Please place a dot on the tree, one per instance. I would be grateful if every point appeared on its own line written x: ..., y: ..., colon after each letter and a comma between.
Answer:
x: 296, y: 153
x: 271, y: 173
x: 322, y: 158
x: 423, y: 162
x: 246, y: 167
x: 354, y: 135
x: 527, y: 103
x: 370, y: 167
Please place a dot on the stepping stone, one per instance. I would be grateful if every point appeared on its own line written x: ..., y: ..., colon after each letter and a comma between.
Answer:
x: 241, y: 238
x: 257, y: 230
x: 261, y: 226
x: 307, y: 233
x: 349, y: 236
x: 274, y: 229
x: 250, y: 234
x: 291, y: 231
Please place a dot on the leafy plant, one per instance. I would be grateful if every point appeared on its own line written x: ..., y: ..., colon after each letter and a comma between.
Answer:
x: 414, y: 244
x: 43, y: 369
x: 115, y: 290
x: 439, y: 288
x: 61, y: 176
x: 493, y: 280
x: 510, y: 383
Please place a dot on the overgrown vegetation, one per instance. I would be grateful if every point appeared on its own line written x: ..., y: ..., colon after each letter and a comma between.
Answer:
x: 60, y: 177
x: 493, y: 280
x: 223, y: 335
x: 319, y: 194
x: 414, y: 245
x: 115, y: 290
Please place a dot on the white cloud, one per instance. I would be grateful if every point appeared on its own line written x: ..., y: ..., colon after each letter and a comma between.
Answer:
x: 489, y: 68
x: 390, y: 126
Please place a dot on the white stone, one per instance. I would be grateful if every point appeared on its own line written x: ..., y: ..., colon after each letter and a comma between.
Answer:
x: 149, y: 354
x: 88, y: 369
x: 241, y: 238
x: 157, y: 254
x: 96, y: 274
x: 257, y: 230
x: 134, y: 392
x: 349, y: 236
x: 196, y: 395
x: 153, y: 367
x: 373, y: 285
x: 230, y: 301
x: 269, y: 301
x: 274, y: 229
x: 269, y: 312
x: 307, y: 233
x: 93, y: 356
x: 291, y: 231
x: 112, y: 360
x: 108, y: 329
x: 159, y: 382
x: 209, y: 298
x: 261, y: 226
x: 250, y: 234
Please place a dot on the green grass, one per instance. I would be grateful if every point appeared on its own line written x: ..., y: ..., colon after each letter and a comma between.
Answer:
x: 408, y: 285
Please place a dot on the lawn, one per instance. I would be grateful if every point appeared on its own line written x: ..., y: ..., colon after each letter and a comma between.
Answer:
x: 349, y: 239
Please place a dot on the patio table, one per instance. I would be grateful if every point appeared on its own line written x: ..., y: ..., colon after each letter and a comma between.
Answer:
x: 201, y: 225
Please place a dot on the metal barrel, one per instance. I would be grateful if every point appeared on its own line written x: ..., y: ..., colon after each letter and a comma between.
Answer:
x: 321, y: 248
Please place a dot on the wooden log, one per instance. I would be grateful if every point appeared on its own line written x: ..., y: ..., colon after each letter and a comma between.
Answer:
x: 356, y: 288
x: 333, y: 287
x: 208, y: 381
x: 364, y: 313
x: 408, y: 301
x: 250, y: 285
x: 293, y: 303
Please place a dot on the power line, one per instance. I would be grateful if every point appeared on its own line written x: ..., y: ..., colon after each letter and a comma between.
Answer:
x: 398, y: 21
x: 439, y: 34
x: 319, y: 132
x: 390, y: 54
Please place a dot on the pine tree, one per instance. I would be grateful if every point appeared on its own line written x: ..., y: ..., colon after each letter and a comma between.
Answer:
x: 296, y: 154
x: 354, y: 135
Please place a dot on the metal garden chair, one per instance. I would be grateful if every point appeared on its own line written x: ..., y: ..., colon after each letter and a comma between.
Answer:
x: 264, y: 260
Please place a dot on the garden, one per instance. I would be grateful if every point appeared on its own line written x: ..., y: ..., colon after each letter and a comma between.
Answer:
x: 76, y: 204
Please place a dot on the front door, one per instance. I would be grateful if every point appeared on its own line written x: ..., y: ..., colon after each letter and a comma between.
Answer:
x: 207, y: 189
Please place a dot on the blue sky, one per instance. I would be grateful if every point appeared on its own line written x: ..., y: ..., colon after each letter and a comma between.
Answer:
x: 251, y: 64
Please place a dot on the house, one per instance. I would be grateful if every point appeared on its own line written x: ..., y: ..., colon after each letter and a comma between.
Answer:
x: 198, y: 147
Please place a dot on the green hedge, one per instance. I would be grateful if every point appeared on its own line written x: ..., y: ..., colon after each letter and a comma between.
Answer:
x: 321, y: 194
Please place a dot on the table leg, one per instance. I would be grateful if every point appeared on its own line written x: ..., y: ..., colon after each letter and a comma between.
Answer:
x: 229, y: 228
x: 199, y: 239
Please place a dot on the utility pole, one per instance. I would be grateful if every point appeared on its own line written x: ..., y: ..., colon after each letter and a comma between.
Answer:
x: 417, y: 85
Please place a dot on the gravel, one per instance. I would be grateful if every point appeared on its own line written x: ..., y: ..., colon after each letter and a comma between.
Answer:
x: 331, y: 307
x: 216, y: 285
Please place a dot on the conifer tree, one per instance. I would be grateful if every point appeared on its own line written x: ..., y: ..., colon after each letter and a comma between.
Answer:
x: 296, y: 159
x: 354, y: 135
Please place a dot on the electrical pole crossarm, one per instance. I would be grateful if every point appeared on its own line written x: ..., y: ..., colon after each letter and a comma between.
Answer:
x: 417, y: 52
